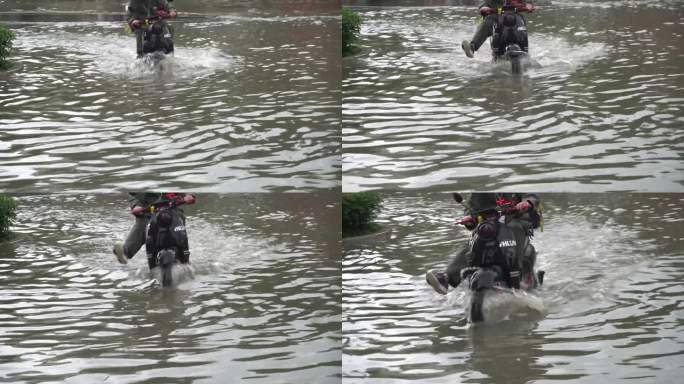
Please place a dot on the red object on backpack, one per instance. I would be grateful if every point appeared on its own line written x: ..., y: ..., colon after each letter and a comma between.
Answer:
x: 485, y: 11
x: 467, y: 221
x: 137, y: 210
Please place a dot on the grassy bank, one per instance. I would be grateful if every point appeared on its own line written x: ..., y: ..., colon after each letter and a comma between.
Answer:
x: 6, y: 39
x: 7, y: 215
x: 358, y: 211
x: 351, y: 28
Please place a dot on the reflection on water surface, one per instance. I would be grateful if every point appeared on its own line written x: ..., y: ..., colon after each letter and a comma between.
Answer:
x: 263, y: 306
x: 612, y: 293
x: 600, y: 111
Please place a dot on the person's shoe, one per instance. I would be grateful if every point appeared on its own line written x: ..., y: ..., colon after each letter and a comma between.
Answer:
x: 118, y: 251
x: 467, y: 48
x: 438, y: 281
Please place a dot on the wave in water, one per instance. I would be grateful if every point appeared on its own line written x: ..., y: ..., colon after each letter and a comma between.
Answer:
x: 114, y: 54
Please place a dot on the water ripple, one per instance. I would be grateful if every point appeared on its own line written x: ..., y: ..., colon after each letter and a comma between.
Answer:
x: 260, y: 300
x: 81, y: 113
x: 599, y: 110
x: 612, y: 295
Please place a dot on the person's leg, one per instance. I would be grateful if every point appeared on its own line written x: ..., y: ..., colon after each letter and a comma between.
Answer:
x: 133, y: 242
x: 139, y: 41
x: 484, y: 30
x: 440, y: 280
x: 151, y: 242
x: 182, y: 238
x: 136, y: 237
x: 458, y: 262
x: 529, y: 258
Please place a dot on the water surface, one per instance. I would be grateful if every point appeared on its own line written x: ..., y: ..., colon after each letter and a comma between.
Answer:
x: 263, y: 306
x: 602, y: 108
x: 249, y: 102
x: 612, y: 297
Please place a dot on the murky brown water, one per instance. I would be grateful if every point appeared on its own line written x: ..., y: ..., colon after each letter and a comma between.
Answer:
x: 249, y: 102
x: 602, y: 111
x: 263, y: 306
x: 612, y: 295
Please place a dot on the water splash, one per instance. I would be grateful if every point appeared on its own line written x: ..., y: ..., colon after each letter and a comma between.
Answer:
x: 114, y: 54
x: 500, y: 306
x: 180, y: 274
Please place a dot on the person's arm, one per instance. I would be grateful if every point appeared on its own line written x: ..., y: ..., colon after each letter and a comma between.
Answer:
x: 533, y: 200
x: 135, y: 13
x: 142, y: 199
x: 533, y: 213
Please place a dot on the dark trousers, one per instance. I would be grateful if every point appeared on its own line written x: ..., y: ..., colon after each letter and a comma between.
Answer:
x: 484, y: 30
x: 458, y: 262
x: 136, y: 236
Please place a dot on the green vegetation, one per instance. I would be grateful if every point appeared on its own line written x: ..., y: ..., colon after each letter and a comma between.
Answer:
x: 6, y: 38
x: 351, y: 27
x: 358, y: 211
x: 7, y: 214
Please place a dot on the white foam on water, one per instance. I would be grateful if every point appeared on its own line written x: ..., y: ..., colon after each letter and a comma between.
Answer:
x: 558, y: 54
x: 504, y: 305
x: 114, y: 54
x: 180, y: 273
x: 498, y: 306
x: 547, y: 52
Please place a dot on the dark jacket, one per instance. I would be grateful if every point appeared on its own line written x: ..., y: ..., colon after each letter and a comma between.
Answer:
x: 143, y: 199
x: 142, y: 9
x: 482, y: 202
x: 496, y: 3
x: 492, y: 3
x: 514, y: 252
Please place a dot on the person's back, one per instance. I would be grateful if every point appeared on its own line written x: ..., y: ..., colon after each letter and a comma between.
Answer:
x: 507, y: 233
x: 155, y: 35
x: 143, y: 205
x: 484, y: 29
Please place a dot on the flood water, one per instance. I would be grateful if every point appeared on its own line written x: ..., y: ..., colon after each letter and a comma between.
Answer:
x: 612, y: 297
x: 263, y: 306
x: 249, y: 102
x: 602, y: 109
